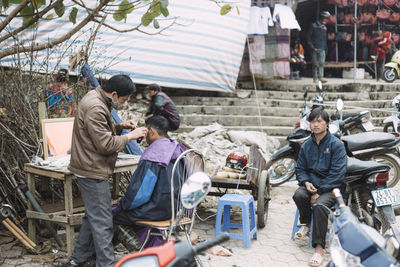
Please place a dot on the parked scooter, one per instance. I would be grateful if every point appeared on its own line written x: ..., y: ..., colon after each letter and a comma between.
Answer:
x: 368, y: 195
x: 392, y: 70
x: 356, y: 244
x: 380, y: 147
x: 179, y: 253
x: 356, y: 123
x: 392, y: 122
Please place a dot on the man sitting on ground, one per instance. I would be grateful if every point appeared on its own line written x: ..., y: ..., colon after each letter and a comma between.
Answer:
x: 147, y: 197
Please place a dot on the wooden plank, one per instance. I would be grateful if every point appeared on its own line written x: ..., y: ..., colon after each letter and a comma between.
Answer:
x: 43, y: 171
x: 75, y: 219
x: 46, y: 216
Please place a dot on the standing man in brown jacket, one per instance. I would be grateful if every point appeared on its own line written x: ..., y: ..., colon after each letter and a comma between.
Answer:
x: 95, y: 146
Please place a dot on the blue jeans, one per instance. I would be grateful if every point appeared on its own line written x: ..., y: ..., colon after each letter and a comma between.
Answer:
x: 318, y: 61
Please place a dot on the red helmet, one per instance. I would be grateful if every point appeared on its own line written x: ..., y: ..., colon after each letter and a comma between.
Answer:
x: 236, y: 160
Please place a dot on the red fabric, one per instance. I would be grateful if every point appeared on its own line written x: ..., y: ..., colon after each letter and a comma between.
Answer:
x: 377, y: 49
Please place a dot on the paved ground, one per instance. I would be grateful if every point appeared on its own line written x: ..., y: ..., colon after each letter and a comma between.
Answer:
x: 272, y: 248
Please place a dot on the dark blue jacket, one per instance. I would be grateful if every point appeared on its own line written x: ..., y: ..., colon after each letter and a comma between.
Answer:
x: 317, y: 36
x: 148, y: 195
x: 323, y: 165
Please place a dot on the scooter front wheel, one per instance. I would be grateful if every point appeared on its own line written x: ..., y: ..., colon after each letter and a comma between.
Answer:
x: 389, y: 74
x: 281, y: 170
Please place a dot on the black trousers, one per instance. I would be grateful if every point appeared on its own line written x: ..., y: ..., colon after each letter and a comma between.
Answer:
x: 320, y: 223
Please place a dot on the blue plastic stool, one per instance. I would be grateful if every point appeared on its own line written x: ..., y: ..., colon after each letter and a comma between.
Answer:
x: 246, y: 203
x: 297, y: 225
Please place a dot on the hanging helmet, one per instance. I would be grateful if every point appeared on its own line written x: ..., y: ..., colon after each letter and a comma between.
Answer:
x: 317, y: 101
x: 324, y: 14
x: 236, y: 160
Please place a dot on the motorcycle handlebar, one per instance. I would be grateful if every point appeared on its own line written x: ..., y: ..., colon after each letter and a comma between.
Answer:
x: 210, y: 243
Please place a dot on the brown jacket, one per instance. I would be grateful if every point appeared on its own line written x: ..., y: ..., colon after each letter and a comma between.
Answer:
x: 95, y: 143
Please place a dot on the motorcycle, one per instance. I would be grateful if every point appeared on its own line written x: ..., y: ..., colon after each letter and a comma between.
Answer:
x: 392, y: 122
x: 380, y: 147
x: 391, y: 70
x: 354, y: 244
x: 178, y: 253
x: 357, y: 122
x: 369, y: 198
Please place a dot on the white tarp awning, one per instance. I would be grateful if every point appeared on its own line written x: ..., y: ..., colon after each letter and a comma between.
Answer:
x: 205, y: 53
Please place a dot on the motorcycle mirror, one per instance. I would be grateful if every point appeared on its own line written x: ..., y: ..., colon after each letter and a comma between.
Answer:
x: 195, y: 189
x: 305, y: 93
x: 339, y: 105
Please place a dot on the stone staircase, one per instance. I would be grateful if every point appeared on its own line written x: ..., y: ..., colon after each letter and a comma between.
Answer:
x: 276, y: 110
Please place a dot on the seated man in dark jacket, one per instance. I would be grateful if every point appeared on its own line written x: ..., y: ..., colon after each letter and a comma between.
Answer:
x: 321, y: 167
x: 148, y: 194
x: 162, y: 105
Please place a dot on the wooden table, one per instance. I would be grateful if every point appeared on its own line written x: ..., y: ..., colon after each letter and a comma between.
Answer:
x: 69, y: 217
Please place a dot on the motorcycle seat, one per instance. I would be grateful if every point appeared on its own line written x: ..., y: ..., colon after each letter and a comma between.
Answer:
x: 360, y: 167
x: 368, y: 140
x: 344, y: 116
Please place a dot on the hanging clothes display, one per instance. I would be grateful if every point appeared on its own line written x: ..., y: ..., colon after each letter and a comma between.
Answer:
x: 260, y: 19
x: 286, y: 17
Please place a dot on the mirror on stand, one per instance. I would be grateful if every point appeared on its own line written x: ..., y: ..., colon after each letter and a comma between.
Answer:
x: 195, y: 189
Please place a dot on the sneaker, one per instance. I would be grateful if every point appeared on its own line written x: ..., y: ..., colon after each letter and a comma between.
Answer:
x: 323, y: 80
x: 373, y: 57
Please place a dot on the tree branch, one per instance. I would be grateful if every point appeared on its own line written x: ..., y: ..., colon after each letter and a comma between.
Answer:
x: 90, y: 17
x: 13, y: 13
x: 31, y: 22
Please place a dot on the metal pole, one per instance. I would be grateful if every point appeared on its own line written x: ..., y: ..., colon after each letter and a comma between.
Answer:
x: 355, y: 41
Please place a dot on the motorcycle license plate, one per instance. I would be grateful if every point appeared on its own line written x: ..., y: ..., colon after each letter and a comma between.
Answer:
x: 385, y: 196
x: 368, y: 126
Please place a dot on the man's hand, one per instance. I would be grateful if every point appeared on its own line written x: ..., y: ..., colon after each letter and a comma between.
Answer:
x: 130, y: 125
x: 310, y: 187
x: 314, y: 197
x: 137, y: 133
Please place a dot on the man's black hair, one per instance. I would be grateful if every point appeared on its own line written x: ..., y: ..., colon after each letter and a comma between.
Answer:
x: 159, y: 123
x: 122, y: 84
x: 153, y: 87
x: 319, y: 112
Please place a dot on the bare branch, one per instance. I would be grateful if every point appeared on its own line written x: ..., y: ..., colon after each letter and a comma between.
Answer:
x: 13, y: 13
x: 36, y: 47
x: 31, y: 22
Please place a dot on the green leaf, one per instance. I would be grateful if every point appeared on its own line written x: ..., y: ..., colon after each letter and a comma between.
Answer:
x: 72, y: 15
x: 27, y: 13
x: 118, y: 16
x: 38, y: 3
x: 49, y: 17
x: 164, y: 3
x: 128, y: 7
x: 165, y: 12
x: 146, y: 19
x: 156, y: 25
x: 60, y: 9
x: 16, y: 1
x: 225, y: 9
x: 4, y: 4
x: 237, y: 10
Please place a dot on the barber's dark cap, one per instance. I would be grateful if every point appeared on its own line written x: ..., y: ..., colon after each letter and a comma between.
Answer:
x: 153, y: 87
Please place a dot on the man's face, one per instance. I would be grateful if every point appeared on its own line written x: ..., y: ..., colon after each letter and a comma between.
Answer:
x: 150, y: 93
x: 318, y: 125
x: 119, y: 99
x: 151, y: 136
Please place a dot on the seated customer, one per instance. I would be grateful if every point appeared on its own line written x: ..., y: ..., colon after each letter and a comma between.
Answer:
x: 147, y: 197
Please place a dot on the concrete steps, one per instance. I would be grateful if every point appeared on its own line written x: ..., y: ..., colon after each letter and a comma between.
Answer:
x: 277, y: 110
